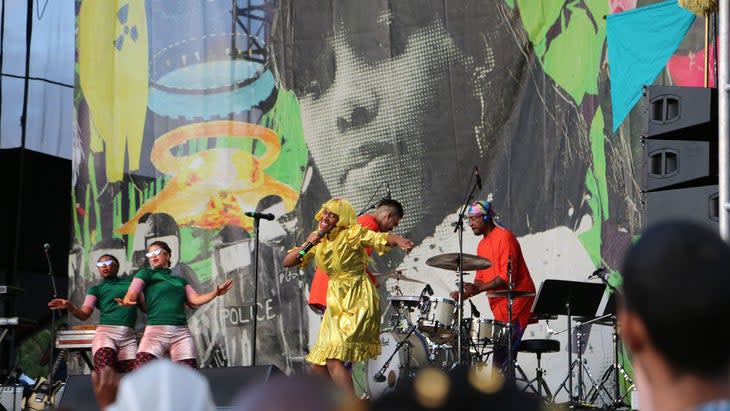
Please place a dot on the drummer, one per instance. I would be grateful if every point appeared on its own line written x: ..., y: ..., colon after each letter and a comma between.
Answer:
x: 501, y: 248
x: 384, y: 218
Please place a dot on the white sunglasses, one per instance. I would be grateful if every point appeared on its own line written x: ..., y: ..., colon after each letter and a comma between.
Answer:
x: 154, y: 252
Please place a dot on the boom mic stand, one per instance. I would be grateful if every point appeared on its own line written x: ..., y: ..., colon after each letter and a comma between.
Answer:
x: 460, y: 264
x: 380, y: 375
x: 51, y: 356
x: 371, y: 205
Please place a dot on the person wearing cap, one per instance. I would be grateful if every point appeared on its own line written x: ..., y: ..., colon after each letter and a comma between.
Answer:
x: 167, y: 296
x: 115, y: 342
x: 501, y: 248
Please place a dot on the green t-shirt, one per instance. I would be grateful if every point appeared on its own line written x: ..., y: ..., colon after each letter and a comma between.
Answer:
x: 112, y: 313
x: 164, y: 295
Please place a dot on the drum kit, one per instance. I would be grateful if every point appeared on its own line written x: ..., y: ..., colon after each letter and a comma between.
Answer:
x: 423, y: 330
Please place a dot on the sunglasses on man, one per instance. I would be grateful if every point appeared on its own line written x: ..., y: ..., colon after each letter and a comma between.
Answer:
x: 107, y: 263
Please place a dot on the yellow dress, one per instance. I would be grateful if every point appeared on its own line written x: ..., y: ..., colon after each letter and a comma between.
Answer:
x: 351, y: 323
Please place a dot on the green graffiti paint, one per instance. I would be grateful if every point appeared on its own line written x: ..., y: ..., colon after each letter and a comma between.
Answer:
x: 285, y: 119
x: 572, y: 57
x: 597, y: 187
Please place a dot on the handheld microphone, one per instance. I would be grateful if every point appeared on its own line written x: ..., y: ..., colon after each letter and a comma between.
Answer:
x: 597, y: 274
x: 256, y: 214
x: 478, y: 177
x: 387, y: 191
x: 474, y: 312
x: 308, y: 245
x: 46, y: 247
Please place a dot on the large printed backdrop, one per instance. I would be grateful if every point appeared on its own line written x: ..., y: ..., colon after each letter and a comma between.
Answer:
x: 190, y: 113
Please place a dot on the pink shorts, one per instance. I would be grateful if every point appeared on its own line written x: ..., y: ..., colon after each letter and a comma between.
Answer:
x: 117, y: 337
x: 176, y: 340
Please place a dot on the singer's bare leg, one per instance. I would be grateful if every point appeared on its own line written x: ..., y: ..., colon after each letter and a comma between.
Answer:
x: 341, y: 375
x: 319, y: 370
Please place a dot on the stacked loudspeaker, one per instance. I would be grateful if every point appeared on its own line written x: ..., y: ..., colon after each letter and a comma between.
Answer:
x: 680, y: 156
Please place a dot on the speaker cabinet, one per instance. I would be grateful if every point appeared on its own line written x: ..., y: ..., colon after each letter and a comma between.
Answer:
x: 678, y: 163
x: 11, y: 397
x: 680, y: 155
x: 700, y: 204
x: 680, y: 113
x: 225, y: 383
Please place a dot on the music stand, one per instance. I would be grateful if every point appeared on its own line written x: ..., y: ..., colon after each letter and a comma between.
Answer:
x: 569, y: 298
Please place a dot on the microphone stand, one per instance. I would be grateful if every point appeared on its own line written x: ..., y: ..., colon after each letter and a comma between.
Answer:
x: 380, y: 375
x: 459, y: 229
x: 51, y: 353
x: 510, y: 325
x: 371, y: 205
x: 255, y: 305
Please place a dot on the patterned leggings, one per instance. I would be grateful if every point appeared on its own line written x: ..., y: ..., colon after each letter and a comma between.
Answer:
x: 143, y: 358
x: 107, y: 357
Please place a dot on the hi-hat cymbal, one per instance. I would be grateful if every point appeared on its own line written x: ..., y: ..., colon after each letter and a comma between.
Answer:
x: 397, y: 275
x: 450, y: 261
x: 506, y: 293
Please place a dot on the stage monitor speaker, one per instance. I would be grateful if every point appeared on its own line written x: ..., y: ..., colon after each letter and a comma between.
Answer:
x: 679, y: 163
x: 700, y: 204
x: 225, y: 383
x: 682, y: 113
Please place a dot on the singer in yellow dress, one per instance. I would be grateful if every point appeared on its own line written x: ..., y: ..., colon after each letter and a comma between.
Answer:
x: 351, y: 323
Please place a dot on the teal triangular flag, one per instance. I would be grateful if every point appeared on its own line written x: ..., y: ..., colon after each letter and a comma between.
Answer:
x: 640, y: 43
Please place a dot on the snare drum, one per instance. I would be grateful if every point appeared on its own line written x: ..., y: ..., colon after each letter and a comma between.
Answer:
x: 437, y: 319
x: 405, y: 308
x: 485, y: 331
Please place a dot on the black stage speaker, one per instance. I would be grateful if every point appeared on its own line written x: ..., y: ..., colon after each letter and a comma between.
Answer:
x: 680, y: 113
x: 680, y: 155
x: 225, y: 383
x: 679, y: 163
x: 701, y: 204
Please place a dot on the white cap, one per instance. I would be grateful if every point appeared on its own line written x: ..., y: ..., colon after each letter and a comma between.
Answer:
x: 163, y: 385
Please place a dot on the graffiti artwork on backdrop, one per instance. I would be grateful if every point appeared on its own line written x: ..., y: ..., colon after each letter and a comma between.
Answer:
x: 414, y: 94
x: 210, y: 136
x: 411, y: 94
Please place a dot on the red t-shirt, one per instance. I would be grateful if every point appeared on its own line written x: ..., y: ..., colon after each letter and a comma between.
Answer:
x: 499, y: 246
x: 318, y: 289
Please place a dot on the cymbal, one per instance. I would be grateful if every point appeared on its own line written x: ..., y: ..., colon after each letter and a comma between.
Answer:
x: 506, y: 293
x: 450, y: 261
x: 397, y: 275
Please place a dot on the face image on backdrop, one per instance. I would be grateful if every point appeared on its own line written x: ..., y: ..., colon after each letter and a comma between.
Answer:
x: 389, y: 95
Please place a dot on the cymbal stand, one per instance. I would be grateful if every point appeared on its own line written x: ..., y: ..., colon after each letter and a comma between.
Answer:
x: 510, y: 327
x: 459, y: 229
x: 580, y: 364
x: 617, y: 371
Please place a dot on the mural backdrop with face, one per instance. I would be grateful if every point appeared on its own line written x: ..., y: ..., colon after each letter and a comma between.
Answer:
x: 389, y: 95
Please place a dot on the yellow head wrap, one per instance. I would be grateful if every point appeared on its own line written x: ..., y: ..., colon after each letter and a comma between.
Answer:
x: 342, y: 208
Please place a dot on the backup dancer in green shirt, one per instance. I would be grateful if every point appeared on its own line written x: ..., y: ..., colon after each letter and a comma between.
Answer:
x: 115, y: 342
x: 166, y: 296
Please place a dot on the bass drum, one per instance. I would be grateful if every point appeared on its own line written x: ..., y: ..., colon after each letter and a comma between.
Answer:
x: 413, y: 354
